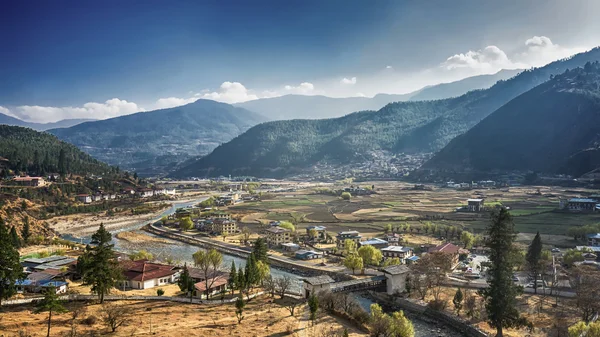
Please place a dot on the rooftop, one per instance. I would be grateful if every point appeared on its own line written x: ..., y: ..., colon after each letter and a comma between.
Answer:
x: 582, y: 200
x: 446, y: 248
x: 396, y: 269
x: 277, y: 230
x: 304, y: 252
x: 317, y: 228
x: 318, y: 280
x: 217, y: 281
x: 143, y: 270
x: 593, y: 236
x: 396, y: 249
x: 354, y: 233
x: 373, y: 241
x: 474, y: 200
x: 592, y: 248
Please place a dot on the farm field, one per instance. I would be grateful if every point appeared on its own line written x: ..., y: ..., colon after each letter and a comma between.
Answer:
x: 534, y: 208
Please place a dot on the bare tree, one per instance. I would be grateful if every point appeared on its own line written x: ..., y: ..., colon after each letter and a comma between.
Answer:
x: 115, y: 315
x: 291, y: 303
x: 209, y: 262
x: 270, y: 286
x: 282, y: 284
x: 587, y: 291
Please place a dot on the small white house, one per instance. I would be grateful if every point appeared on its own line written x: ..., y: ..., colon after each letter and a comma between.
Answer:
x: 396, y: 278
x: 317, y: 283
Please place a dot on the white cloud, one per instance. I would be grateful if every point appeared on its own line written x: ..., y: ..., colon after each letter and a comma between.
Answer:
x: 304, y: 88
x: 230, y: 92
x: 490, y: 58
x: 43, y: 114
x: 170, y: 102
x: 389, y: 67
x: 348, y: 80
x: 540, y: 50
x: 7, y: 112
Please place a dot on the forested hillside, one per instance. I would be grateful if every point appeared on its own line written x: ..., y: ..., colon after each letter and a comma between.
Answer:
x: 553, y: 128
x: 39, y: 153
x: 65, y: 123
x: 135, y: 141
x: 277, y: 148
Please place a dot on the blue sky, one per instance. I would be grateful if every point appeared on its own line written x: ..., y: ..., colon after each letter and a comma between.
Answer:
x: 97, y: 59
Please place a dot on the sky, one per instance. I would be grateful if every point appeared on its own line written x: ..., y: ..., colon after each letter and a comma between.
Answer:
x: 101, y: 59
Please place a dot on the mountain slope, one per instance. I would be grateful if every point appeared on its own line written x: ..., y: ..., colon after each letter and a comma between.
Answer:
x: 457, y: 88
x: 65, y: 123
x: 189, y: 130
x: 281, y: 148
x: 553, y: 128
x: 38, y: 152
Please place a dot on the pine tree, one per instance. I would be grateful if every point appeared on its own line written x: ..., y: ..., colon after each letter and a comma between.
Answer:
x: 241, y: 280
x: 62, y: 163
x: 186, y: 283
x: 232, y: 277
x: 261, y: 250
x: 313, y: 306
x: 14, y: 237
x: 251, y: 272
x: 26, y: 232
x: 458, y: 301
x: 50, y: 303
x: 10, y: 268
x: 98, y: 265
x: 500, y: 296
x: 533, y: 257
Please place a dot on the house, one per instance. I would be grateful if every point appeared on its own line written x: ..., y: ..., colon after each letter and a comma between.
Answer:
x: 375, y: 242
x: 343, y: 236
x: 396, y: 251
x: 290, y: 247
x: 37, y: 286
x: 582, y: 204
x: 393, y: 239
x: 307, y: 255
x: 55, y: 264
x: 449, y: 248
x: 145, y: 193
x: 143, y: 274
x: 475, y: 205
x: 29, y: 181
x: 321, y: 232
x: 223, y: 226
x: 216, y: 285
x: 315, y: 284
x: 594, y: 240
x: 278, y: 235
x: 412, y: 259
x: 84, y: 198
x: 96, y: 197
x: 395, y: 278
x: 53, y: 176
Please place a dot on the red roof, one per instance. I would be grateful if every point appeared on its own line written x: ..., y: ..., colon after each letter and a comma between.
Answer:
x: 219, y: 281
x: 446, y: 248
x: 143, y: 270
x: 27, y: 178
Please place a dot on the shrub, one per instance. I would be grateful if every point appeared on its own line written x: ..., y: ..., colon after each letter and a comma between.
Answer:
x: 438, y: 305
x: 90, y: 320
x: 346, y: 195
x: 160, y: 292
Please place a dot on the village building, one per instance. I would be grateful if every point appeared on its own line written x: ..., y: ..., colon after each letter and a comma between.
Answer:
x: 343, y: 236
x: 223, y: 226
x: 216, y: 286
x: 29, y: 181
x: 321, y: 232
x: 412, y: 259
x: 393, y: 239
x: 84, y: 198
x: 96, y: 197
x: 375, y: 242
x: 145, y: 193
x: 312, y: 285
x: 594, y: 240
x: 475, y: 205
x: 277, y: 236
x: 582, y: 204
x: 55, y: 264
x: 290, y: 247
x: 397, y: 251
x: 144, y: 275
x: 308, y: 255
x: 396, y: 278
x: 448, y: 248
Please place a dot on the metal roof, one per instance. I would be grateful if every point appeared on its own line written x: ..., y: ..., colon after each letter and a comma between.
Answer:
x: 396, y: 249
x: 396, y: 269
x: 374, y: 241
x: 581, y: 200
x: 318, y: 280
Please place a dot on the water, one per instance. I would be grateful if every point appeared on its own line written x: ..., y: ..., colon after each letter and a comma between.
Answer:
x: 423, y: 328
x: 178, y: 251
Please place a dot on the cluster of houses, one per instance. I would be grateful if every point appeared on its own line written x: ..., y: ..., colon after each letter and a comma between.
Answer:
x: 29, y: 181
x: 44, y: 273
x: 590, y: 204
x: 473, y: 184
x: 125, y: 193
x: 209, y: 220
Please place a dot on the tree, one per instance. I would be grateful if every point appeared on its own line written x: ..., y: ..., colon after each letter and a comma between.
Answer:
x: 26, y: 232
x: 269, y: 285
x: 209, y: 262
x: 583, y: 329
x: 224, y: 235
x: 396, y: 325
x: 391, y: 262
x: 263, y: 271
x: 160, y: 292
x: 353, y: 261
x: 239, y: 308
x: 291, y: 304
x: 232, y: 277
x: 346, y: 195
x: 251, y: 271
x: 261, y: 250
x: 287, y: 225
x: 387, y: 228
x: 401, y: 325
x: 312, y: 233
x: 532, y: 259
x: 141, y: 255
x: 500, y: 296
x: 458, y: 301
x: 185, y: 224
x: 115, y: 315
x: 571, y: 256
x: 370, y: 255
x: 282, y: 284
x: 587, y: 291
x: 14, y: 237
x: 62, y: 162
x: 50, y: 303
x: 98, y: 265
x: 313, y: 306
x: 349, y: 246
x: 430, y: 274
x: 186, y: 283
x: 164, y: 220
x: 246, y: 234
x: 240, y: 283
x: 471, y: 305
x: 467, y: 239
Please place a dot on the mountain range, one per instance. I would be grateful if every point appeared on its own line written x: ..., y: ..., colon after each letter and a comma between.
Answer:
x: 65, y: 123
x: 552, y: 128
x: 319, y: 107
x: 150, y: 141
x: 283, y: 147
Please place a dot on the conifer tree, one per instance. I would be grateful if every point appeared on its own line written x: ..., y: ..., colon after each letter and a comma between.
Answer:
x: 14, y: 237
x: 261, y: 250
x: 533, y: 259
x: 186, y: 283
x: 232, y: 277
x: 26, y: 232
x: 10, y: 267
x: 50, y: 303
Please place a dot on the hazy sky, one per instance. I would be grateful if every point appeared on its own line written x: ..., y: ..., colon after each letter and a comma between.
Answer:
x: 99, y: 59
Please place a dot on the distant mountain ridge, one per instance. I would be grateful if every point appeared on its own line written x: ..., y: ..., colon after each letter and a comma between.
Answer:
x: 171, y: 135
x: 321, y: 107
x: 65, y: 123
x: 552, y: 128
x: 284, y: 147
